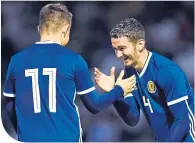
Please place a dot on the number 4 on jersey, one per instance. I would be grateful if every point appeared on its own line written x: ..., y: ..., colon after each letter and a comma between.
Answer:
x: 51, y: 72
x: 147, y: 103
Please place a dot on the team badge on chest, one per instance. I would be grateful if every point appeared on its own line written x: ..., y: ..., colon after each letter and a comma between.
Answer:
x: 151, y: 87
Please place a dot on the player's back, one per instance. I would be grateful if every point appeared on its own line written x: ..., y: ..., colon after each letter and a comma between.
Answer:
x: 45, y: 94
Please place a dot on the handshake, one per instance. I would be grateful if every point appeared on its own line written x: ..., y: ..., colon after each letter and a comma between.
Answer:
x: 107, y: 83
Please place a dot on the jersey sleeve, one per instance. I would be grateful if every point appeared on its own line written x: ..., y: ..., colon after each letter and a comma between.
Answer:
x: 128, y: 110
x: 9, y: 89
x: 127, y: 107
x: 84, y: 83
x: 173, y: 83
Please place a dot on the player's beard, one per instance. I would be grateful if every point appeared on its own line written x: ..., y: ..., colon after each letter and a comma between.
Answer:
x: 132, y: 60
x: 128, y: 61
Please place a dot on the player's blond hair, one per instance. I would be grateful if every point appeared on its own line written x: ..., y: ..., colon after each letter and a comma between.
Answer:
x: 53, y: 17
x: 130, y: 28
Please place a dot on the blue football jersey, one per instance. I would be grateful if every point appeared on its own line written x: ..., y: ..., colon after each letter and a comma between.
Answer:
x: 162, y: 91
x: 44, y: 79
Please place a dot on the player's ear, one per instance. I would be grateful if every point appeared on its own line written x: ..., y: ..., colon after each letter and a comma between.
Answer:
x: 38, y: 28
x: 141, y: 44
x: 65, y: 29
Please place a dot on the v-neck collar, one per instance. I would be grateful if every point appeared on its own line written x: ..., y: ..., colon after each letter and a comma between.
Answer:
x: 146, y: 64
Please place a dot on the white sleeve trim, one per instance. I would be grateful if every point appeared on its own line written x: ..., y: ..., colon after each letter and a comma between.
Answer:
x: 86, y: 91
x: 177, y: 100
x: 9, y: 94
x: 128, y: 95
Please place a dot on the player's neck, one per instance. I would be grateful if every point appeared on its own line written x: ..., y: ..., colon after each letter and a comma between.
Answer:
x: 142, y: 61
x: 54, y: 39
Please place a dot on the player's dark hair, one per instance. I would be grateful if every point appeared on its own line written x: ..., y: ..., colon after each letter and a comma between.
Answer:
x: 53, y: 16
x: 130, y: 28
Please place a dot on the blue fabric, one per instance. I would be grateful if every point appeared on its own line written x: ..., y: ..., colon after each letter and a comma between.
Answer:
x: 51, y: 72
x: 95, y: 102
x: 166, y: 98
x: 128, y: 110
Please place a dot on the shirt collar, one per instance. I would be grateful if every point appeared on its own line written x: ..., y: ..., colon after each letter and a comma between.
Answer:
x: 146, y: 64
x: 46, y: 42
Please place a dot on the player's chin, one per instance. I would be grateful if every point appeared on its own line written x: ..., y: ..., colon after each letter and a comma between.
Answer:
x: 127, y: 63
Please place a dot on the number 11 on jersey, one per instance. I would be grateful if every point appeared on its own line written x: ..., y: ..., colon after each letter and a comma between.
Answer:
x: 51, y: 72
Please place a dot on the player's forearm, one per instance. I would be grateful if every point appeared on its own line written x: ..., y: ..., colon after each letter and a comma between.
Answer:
x: 95, y: 102
x: 9, y: 108
x: 178, y: 130
x: 129, y: 113
x: 180, y: 125
x: 13, y: 118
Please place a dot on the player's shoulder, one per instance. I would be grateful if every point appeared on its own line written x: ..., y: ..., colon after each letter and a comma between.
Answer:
x: 54, y: 49
x: 72, y: 53
x: 160, y: 63
x: 21, y: 54
x: 166, y: 69
x: 66, y: 52
x: 72, y: 56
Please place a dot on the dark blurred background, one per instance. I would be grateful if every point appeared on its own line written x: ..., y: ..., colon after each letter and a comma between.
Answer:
x: 169, y: 30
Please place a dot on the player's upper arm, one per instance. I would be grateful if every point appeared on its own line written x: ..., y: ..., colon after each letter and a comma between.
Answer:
x: 84, y: 83
x: 173, y: 82
x: 9, y: 89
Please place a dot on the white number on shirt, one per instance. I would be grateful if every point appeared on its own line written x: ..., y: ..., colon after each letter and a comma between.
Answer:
x: 147, y: 103
x: 51, y: 72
